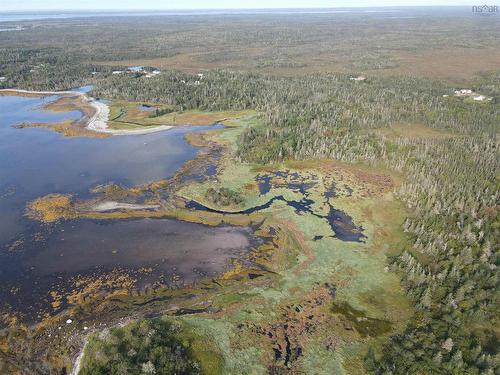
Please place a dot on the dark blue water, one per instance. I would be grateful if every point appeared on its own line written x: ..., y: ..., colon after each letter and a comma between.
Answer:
x: 341, y: 224
x: 289, y: 180
x: 146, y: 108
x: 84, y: 89
x: 96, y: 247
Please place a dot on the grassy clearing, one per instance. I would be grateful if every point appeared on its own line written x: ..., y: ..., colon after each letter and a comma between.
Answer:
x: 127, y: 115
x: 358, y: 272
x: 230, y: 358
x: 235, y: 176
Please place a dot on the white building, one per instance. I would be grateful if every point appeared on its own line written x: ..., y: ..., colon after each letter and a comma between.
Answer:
x: 480, y: 98
x: 471, y: 94
x: 357, y: 79
x: 152, y: 74
x: 463, y: 92
x: 136, y: 69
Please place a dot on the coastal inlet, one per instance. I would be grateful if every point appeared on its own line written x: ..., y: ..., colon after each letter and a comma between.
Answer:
x: 39, y: 262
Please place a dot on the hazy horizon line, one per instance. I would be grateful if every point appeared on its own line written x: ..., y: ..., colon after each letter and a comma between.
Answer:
x: 228, y: 9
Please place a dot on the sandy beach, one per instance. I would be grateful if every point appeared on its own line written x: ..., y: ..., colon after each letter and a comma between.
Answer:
x: 98, y: 122
x: 112, y: 205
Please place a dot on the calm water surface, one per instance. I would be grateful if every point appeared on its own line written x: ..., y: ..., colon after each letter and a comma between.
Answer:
x: 35, y: 161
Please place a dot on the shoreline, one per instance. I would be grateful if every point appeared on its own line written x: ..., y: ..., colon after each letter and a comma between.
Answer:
x: 98, y: 122
x: 108, y: 205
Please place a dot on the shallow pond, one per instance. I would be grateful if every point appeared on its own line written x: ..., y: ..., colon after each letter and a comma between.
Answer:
x: 37, y: 161
x: 146, y: 108
x: 170, y: 251
x: 341, y: 223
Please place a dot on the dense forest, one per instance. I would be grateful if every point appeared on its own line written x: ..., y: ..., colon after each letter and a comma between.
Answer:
x: 451, y: 186
x: 146, y: 347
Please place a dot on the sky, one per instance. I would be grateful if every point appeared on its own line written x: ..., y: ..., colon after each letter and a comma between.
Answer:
x: 8, y: 5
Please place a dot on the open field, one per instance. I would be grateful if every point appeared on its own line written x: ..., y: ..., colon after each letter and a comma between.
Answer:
x: 128, y: 115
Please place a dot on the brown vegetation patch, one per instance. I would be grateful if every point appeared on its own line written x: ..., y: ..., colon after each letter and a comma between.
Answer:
x: 360, y: 177
x: 285, y: 339
x: 196, y: 139
x: 9, y: 320
x: 14, y: 92
x: 451, y: 63
x: 68, y: 128
x: 279, y: 251
x: 115, y: 192
x: 89, y: 288
x: 377, y: 183
x: 299, y: 242
x: 56, y: 298
x: 204, y: 118
x: 66, y: 103
x: 454, y: 63
x: 51, y: 208
x: 490, y: 212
